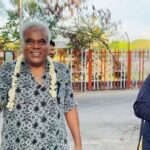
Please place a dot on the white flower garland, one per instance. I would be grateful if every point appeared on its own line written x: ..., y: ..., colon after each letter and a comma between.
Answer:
x: 52, y: 74
x: 12, y: 91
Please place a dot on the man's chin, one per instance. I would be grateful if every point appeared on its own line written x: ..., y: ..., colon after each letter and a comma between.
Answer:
x: 36, y: 63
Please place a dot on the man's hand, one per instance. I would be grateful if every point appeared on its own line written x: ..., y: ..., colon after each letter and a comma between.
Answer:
x: 73, y: 124
x: 77, y: 147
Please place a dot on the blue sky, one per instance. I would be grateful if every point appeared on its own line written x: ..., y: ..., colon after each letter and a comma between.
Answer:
x: 133, y: 14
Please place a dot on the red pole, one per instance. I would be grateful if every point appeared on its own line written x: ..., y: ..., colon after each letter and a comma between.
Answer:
x: 118, y: 69
x: 105, y: 69
x: 90, y: 70
x: 129, y: 70
x: 143, y: 66
x: 139, y: 82
x: 60, y: 55
x: 64, y: 53
x: 74, y: 52
x: 101, y: 68
x: 114, y: 83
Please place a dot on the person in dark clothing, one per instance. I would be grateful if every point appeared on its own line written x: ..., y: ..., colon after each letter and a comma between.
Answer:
x: 142, y: 110
x: 51, y: 50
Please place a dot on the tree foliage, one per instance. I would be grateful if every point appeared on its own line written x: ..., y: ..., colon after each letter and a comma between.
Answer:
x: 88, y: 28
x: 9, y: 33
x: 50, y: 11
x: 134, y: 45
x: 87, y: 25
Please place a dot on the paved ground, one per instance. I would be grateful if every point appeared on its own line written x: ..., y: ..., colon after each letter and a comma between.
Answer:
x: 107, y: 120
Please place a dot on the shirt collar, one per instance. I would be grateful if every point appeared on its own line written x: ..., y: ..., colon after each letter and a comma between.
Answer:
x: 25, y: 66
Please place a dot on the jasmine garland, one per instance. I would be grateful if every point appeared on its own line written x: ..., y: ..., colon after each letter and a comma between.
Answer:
x: 12, y: 91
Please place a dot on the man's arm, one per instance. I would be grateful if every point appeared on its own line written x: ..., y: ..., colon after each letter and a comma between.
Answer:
x: 73, y: 124
x: 71, y: 113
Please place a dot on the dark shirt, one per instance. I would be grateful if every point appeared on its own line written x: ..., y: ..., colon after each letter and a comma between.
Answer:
x: 142, y: 110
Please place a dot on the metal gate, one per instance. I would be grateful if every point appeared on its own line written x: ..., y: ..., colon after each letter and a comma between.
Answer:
x: 101, y: 70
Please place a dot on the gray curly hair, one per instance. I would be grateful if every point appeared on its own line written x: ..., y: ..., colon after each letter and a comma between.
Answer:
x: 34, y: 24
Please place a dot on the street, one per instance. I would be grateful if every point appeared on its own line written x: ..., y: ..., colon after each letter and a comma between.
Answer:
x: 107, y: 120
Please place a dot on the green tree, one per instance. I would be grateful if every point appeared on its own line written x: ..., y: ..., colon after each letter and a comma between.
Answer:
x: 9, y: 33
x: 135, y: 45
x: 51, y: 11
x: 118, y: 45
x: 88, y: 28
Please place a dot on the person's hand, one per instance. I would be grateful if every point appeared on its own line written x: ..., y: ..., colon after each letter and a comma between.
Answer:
x: 77, y: 147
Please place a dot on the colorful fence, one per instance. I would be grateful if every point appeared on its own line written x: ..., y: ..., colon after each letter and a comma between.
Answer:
x: 100, y: 69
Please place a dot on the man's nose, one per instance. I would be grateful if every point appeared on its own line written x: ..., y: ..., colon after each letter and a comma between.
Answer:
x: 36, y: 45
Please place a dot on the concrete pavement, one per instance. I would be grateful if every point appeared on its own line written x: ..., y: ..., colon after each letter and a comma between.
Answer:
x: 107, y: 120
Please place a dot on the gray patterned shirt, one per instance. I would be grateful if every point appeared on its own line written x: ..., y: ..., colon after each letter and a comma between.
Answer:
x: 37, y: 121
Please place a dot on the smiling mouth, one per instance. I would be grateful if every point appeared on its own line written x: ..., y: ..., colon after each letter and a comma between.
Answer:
x: 36, y: 54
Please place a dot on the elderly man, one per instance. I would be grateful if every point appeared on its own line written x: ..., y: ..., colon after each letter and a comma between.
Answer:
x: 36, y: 97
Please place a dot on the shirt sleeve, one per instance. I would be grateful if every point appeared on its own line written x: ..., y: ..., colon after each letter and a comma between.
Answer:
x: 69, y: 101
x: 3, y: 87
x: 142, y: 103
